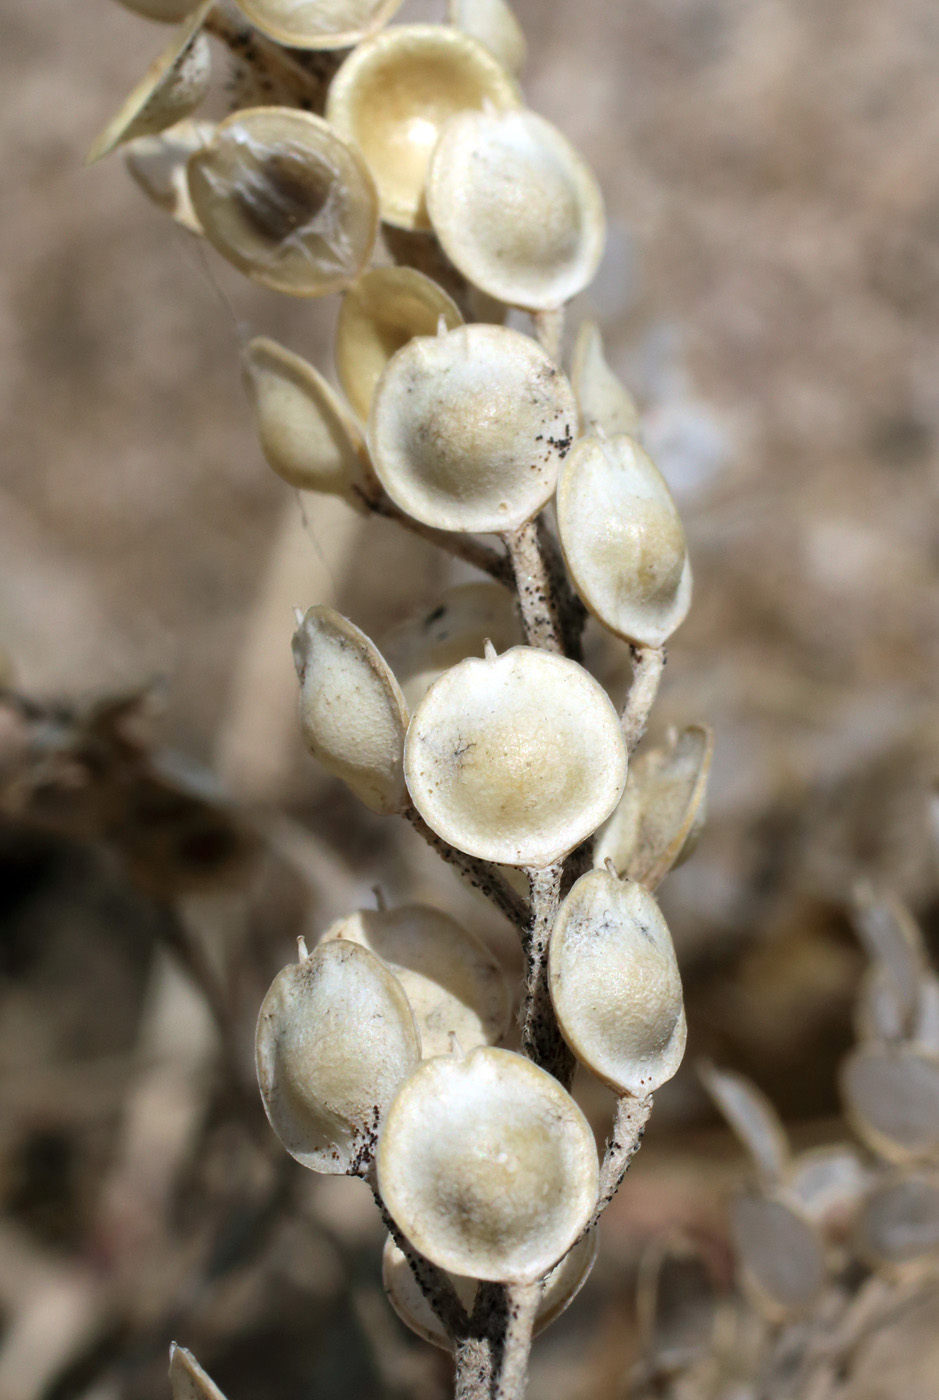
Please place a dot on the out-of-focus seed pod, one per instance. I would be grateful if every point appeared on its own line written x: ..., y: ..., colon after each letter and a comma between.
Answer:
x: 168, y: 11
x: 488, y: 1166
x: 318, y: 24
x: 615, y: 984
x: 394, y: 93
x: 894, y: 943
x: 515, y: 208
x: 158, y: 165
x: 285, y: 199
x: 469, y: 614
x: 468, y: 429
x: 515, y: 758
x: 561, y: 1287
x: 307, y: 435
x: 829, y: 1183
x: 453, y: 984
x: 676, y: 1303
x: 879, y: 1011
x: 187, y: 1378
x: 752, y: 1118
x: 493, y: 23
x: 623, y: 540
x: 603, y: 401
x: 352, y: 714
x: 661, y: 815
x: 380, y: 313
x: 335, y: 1039
x: 171, y: 89
x: 891, y: 1094
x: 899, y: 1220
x: 780, y: 1252
x: 926, y: 1023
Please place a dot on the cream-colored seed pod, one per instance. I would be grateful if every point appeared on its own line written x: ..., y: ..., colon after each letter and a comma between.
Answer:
x: 158, y: 165
x: 171, y: 89
x: 515, y: 758
x: 829, y: 1183
x: 899, y: 1221
x: 394, y: 93
x: 318, y: 24
x: 561, y: 1287
x: 352, y: 714
x: 335, y: 1039
x: 453, y: 984
x: 493, y: 24
x: 285, y: 199
x: 891, y: 1094
x: 615, y: 984
x: 469, y: 614
x: 780, y: 1251
x: 307, y: 434
x: 380, y: 313
x: 879, y: 1011
x: 515, y: 208
x: 468, y: 429
x: 603, y: 401
x: 752, y: 1118
x: 488, y: 1166
x: 623, y: 540
x: 168, y: 11
x: 188, y: 1381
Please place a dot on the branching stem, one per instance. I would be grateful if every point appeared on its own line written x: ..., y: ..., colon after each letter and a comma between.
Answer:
x: 465, y: 547
x: 480, y: 875
x: 542, y: 1041
x: 433, y: 1282
x: 632, y: 1115
x: 648, y: 664
x: 537, y: 598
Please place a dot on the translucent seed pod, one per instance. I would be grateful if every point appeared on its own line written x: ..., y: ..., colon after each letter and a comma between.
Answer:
x: 168, y: 11
x: 488, y: 1166
x: 318, y: 24
x: 352, y: 714
x: 335, y: 1039
x: 308, y: 436
x: 188, y: 1381
x: 493, y: 23
x: 158, y: 165
x: 603, y: 401
x: 515, y: 208
x: 891, y: 1095
x: 899, y: 1220
x: 515, y: 758
x: 561, y: 1287
x: 615, y: 984
x: 623, y: 540
x: 453, y: 984
x: 283, y: 197
x: 171, y: 89
x: 468, y: 429
x: 661, y: 815
x: 780, y: 1252
x: 380, y: 313
x: 753, y: 1119
x: 469, y: 614
x: 829, y: 1184
x: 394, y: 93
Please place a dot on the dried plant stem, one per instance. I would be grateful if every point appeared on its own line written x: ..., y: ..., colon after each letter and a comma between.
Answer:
x: 549, y: 330
x: 542, y: 1041
x: 632, y: 1115
x: 480, y: 875
x: 511, y: 1373
x: 571, y: 611
x: 534, y: 585
x: 648, y: 664
x: 481, y: 556
x: 473, y: 1369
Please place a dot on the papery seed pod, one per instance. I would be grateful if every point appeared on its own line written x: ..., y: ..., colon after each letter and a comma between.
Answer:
x: 493, y: 23
x: 829, y: 1183
x: 308, y: 436
x: 515, y: 208
x: 894, y: 943
x: 168, y: 11
x: 469, y: 614
x: 561, y: 1287
x: 488, y: 1166
x: 752, y: 1118
x: 171, y: 89
x: 623, y: 540
x: 453, y: 984
x: 899, y: 1220
x: 335, y: 1039
x: 661, y: 814
x: 468, y: 429
x: 318, y: 24
x: 187, y: 1378
x: 352, y: 714
x: 891, y: 1094
x: 516, y: 758
x: 615, y: 984
x: 394, y: 93
x: 284, y: 198
x: 158, y: 165
x: 780, y: 1253
x: 603, y: 401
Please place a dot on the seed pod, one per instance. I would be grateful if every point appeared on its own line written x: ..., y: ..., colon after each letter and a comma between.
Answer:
x: 393, y: 94
x: 453, y: 984
x: 158, y: 165
x: 926, y: 1024
x: 603, y: 401
x: 488, y: 1166
x: 516, y: 758
x: 352, y: 714
x: 752, y: 1118
x: 468, y: 429
x: 623, y: 540
x: 493, y: 24
x: 879, y: 1011
x: 307, y: 434
x: 829, y: 1183
x: 891, y: 1094
x: 335, y: 1039
x: 899, y: 1221
x: 169, y: 11
x: 187, y: 1378
x: 780, y: 1253
x: 615, y: 984
x: 313, y: 24
x: 515, y: 208
x: 894, y: 944
x: 171, y: 89
x: 285, y: 199
x: 561, y: 1287
x: 661, y: 815
x: 469, y: 614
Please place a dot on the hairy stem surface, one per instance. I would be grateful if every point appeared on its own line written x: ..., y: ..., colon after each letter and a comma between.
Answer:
x: 534, y: 585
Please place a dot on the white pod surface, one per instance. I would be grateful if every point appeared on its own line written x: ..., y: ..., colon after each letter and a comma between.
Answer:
x: 335, y: 1039
x: 891, y: 1094
x: 780, y: 1251
x: 829, y: 1183
x: 515, y: 758
x: 158, y: 166
x: 603, y: 401
x: 615, y: 984
x: 623, y: 540
x: 352, y: 714
x: 515, y: 208
x: 493, y: 23
x: 899, y: 1221
x: 188, y: 1381
x: 468, y: 430
x: 394, y: 93
x: 752, y: 1118
x: 318, y: 24
x: 307, y: 434
x: 453, y: 984
x: 283, y: 197
x: 469, y: 614
x: 488, y: 1166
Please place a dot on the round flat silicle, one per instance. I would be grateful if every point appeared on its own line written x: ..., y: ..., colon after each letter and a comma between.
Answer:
x: 318, y: 24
